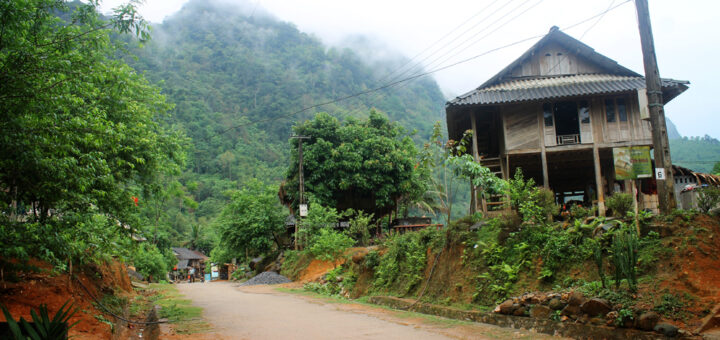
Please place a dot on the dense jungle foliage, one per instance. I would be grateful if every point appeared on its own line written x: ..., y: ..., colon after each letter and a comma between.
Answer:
x: 236, y: 81
x: 83, y: 134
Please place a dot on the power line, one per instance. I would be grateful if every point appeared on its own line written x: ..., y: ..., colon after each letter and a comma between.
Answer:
x: 439, y: 40
x: 484, y: 36
x: 452, y: 50
x: 419, y: 63
x: 415, y: 76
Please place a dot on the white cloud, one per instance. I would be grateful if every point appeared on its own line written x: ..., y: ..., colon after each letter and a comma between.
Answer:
x: 685, y: 39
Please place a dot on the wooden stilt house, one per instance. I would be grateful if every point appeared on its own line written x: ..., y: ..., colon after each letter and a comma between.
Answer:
x: 557, y: 112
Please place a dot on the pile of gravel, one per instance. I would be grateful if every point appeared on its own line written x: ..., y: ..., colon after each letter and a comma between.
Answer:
x: 266, y: 278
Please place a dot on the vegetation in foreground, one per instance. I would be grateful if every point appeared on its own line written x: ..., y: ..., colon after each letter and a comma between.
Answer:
x: 479, y: 262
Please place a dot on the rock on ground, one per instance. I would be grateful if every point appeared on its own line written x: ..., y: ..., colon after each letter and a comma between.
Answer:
x: 266, y: 278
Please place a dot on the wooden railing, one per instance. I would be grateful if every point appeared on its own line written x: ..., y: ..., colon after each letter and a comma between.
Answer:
x: 568, y: 139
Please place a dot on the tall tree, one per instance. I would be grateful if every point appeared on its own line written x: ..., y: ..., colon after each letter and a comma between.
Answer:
x: 80, y: 130
x: 366, y: 165
x: 250, y: 223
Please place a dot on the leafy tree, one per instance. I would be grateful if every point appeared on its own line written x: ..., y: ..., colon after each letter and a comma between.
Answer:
x: 81, y: 133
x: 481, y: 177
x: 250, y: 222
x: 446, y: 175
x: 365, y: 165
x: 78, y: 127
x: 716, y: 169
x: 150, y: 262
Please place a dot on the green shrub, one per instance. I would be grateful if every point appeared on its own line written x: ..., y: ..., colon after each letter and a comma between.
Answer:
x: 533, y: 204
x: 329, y: 245
x: 360, y: 227
x: 579, y: 212
x: 671, y: 306
x: 402, y: 265
x: 372, y: 259
x: 519, y: 189
x: 620, y: 203
x: 294, y: 263
x: 708, y: 198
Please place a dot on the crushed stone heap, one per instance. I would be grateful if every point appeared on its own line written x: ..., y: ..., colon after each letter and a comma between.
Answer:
x: 266, y: 278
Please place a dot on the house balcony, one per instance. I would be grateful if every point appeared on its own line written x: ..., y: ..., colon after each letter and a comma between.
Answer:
x: 568, y: 139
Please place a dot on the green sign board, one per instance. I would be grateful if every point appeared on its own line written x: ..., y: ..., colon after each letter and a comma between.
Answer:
x: 632, y: 162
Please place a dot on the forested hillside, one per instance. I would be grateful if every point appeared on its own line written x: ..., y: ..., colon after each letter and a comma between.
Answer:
x: 697, y: 153
x: 223, y: 69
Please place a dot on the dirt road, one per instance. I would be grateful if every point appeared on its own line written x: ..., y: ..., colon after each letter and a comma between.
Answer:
x: 262, y: 312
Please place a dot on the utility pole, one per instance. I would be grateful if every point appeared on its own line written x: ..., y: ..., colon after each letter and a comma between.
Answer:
x: 661, y: 147
x: 301, y: 184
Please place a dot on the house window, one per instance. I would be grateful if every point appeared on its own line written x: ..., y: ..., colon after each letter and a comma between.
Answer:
x: 610, y: 110
x: 622, y: 113
x: 548, y: 114
x: 584, y: 111
x: 615, y: 109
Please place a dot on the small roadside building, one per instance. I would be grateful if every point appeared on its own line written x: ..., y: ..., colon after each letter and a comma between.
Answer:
x: 190, y: 259
x: 557, y: 112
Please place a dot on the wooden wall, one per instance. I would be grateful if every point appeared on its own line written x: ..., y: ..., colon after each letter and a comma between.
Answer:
x: 635, y: 130
x: 521, y: 126
x: 554, y: 60
x: 524, y: 128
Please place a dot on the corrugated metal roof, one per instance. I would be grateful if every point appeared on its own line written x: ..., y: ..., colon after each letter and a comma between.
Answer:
x: 187, y: 254
x: 182, y: 264
x: 554, y: 87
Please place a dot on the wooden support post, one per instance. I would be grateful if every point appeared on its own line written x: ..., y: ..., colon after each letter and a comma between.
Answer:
x: 598, y: 182
x: 635, y: 204
x: 661, y: 147
x: 546, y: 179
x: 543, y: 155
x: 301, y: 185
x: 476, y: 156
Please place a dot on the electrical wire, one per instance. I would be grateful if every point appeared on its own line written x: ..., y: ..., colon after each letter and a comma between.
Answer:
x: 412, y: 77
x: 452, y: 51
x: 482, y: 37
x: 108, y: 311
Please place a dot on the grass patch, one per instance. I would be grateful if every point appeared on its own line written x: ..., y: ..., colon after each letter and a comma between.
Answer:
x: 185, y: 318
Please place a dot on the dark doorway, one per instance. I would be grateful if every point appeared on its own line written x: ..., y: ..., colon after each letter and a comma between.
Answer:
x: 566, y: 119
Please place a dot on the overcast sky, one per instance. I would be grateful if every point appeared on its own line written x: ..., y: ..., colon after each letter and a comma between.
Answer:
x: 687, y: 39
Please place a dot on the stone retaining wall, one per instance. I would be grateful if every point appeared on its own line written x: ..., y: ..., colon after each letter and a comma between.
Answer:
x: 567, y: 329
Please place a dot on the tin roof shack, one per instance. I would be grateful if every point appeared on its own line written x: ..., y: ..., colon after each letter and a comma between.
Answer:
x: 557, y: 112
x: 189, y: 258
x: 686, y: 183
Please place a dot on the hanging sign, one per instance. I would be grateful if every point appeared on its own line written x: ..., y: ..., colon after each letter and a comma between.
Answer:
x: 303, y: 210
x: 632, y: 162
x: 660, y: 174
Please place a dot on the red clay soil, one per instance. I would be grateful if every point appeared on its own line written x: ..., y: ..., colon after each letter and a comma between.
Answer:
x: 694, y: 271
x: 36, y: 288
x: 317, y: 268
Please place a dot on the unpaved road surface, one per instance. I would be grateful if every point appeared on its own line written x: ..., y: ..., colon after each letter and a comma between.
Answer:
x: 263, y: 312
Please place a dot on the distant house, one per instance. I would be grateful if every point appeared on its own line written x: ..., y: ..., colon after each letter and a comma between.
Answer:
x: 189, y: 258
x: 557, y: 112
